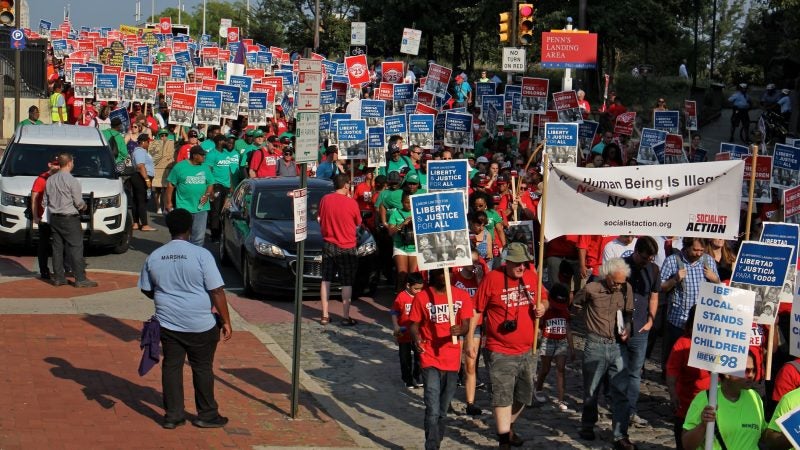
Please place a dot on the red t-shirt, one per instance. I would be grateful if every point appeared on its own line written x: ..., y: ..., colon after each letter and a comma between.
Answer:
x: 430, y: 310
x: 594, y: 251
x: 787, y: 380
x: 691, y: 381
x: 264, y: 163
x: 470, y: 285
x: 183, y: 153
x: 338, y: 218
x: 402, y: 308
x: 505, y: 299
x: 38, y: 186
x: 555, y: 320
x: 363, y: 196
x: 563, y: 246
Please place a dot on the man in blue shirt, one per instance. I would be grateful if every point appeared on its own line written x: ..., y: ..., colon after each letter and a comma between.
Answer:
x: 184, y: 282
x: 463, y: 92
x: 328, y: 168
x: 741, y: 105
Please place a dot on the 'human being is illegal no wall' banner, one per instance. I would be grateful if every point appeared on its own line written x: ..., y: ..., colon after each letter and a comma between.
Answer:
x: 693, y: 200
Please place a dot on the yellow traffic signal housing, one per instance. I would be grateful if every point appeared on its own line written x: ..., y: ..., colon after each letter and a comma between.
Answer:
x: 505, y: 27
x: 525, y: 20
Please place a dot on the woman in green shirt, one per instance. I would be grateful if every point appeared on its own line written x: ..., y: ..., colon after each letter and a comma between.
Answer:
x: 739, y: 413
x: 480, y: 201
x: 402, y: 231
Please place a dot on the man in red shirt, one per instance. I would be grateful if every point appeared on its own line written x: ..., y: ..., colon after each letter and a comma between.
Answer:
x: 37, y: 209
x: 339, y: 218
x: 183, y: 153
x: 507, y: 299
x: 265, y: 159
x: 439, y: 357
x: 590, y: 255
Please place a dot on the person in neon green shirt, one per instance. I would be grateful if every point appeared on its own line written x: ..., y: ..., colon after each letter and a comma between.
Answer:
x: 739, y: 413
x: 774, y: 437
x: 33, y: 117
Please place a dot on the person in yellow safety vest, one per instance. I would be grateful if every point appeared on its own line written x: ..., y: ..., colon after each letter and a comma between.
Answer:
x: 58, y: 105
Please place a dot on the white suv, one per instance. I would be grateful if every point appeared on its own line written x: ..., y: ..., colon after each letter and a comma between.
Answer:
x: 106, y: 222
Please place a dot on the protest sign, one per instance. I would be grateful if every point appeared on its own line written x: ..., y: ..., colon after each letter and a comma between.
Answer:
x: 673, y: 150
x: 208, y: 107
x: 177, y: 73
x: 352, y: 136
x: 392, y: 72
x: 327, y: 101
x: 566, y: 103
x: 402, y: 95
x: 83, y: 83
x: 128, y: 86
x: 785, y: 166
x: 245, y: 85
x: 357, y: 70
x: 586, y: 132
x: 230, y: 100
x: 534, y: 95
x: 762, y: 268
x: 171, y: 88
x: 736, y: 151
x: 437, y: 80
x: 107, y: 87
x: 182, y: 110
x: 410, y: 42
x: 786, y: 234
x: 762, y: 193
x: 693, y: 200
x: 514, y: 114
x: 438, y: 129
x: 791, y: 205
x: 495, y: 101
x: 333, y: 135
x: 487, y: 88
x: 721, y: 332
x: 789, y: 425
x: 624, y: 123
x: 794, y: 336
x: 652, y: 146
x: 440, y: 230
x: 396, y: 125
x: 690, y: 110
x: 123, y: 116
x: 444, y: 175
x: 376, y: 147
x: 257, y: 108
x: 668, y: 121
x: 145, y: 88
x: 420, y: 130
x: 373, y: 111
x: 307, y: 132
x: 561, y: 143
x: 458, y: 130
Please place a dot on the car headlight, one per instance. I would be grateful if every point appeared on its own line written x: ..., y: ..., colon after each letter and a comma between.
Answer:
x: 107, y: 202
x: 367, y: 248
x: 268, y: 248
x: 20, y: 201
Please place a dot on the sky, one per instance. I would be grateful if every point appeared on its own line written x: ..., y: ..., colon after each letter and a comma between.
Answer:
x: 99, y: 13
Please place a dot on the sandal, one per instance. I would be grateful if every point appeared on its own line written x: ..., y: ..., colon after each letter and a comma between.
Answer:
x: 348, y: 322
x: 146, y: 228
x: 325, y: 320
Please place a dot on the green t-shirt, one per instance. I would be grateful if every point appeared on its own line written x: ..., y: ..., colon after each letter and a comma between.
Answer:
x: 222, y: 164
x: 396, y: 218
x: 208, y: 145
x: 396, y: 166
x: 239, y: 146
x: 494, y: 219
x: 740, y: 423
x: 246, y: 151
x: 122, y: 149
x: 30, y: 122
x: 789, y: 401
x: 392, y: 200
x: 191, y: 183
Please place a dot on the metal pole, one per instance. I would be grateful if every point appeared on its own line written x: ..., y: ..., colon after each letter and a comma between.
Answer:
x: 204, y: 16
x: 153, y: 11
x: 298, y: 308
x: 566, y: 85
x: 180, y: 7
x: 513, y: 41
x: 17, y: 70
x: 713, y: 38
x: 248, y: 18
x: 316, y: 25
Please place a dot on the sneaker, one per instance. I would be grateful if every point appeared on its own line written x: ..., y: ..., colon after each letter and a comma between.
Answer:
x: 539, y: 396
x: 473, y: 410
x: 159, y: 211
x: 419, y: 384
x: 638, y: 421
x: 217, y: 422
x: 624, y: 444
x: 410, y: 386
x: 561, y: 405
x: 85, y: 284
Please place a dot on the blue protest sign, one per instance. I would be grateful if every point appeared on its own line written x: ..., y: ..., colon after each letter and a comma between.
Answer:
x: 438, y: 129
x: 440, y: 229
x: 144, y: 68
x: 288, y: 79
x: 511, y: 89
x: 330, y: 67
x: 786, y: 157
x: 736, y: 151
x: 587, y: 129
x: 242, y: 82
x: 403, y: 92
x: 107, y: 87
x: 373, y: 111
x: 231, y: 97
x: 183, y: 58
x: 337, y: 117
x: 257, y: 108
x: 325, y: 121
x: 446, y: 175
x: 409, y: 108
x: 233, y: 47
x: 352, y: 136
x: 122, y: 115
x: 95, y: 67
x: 129, y: 81
x: 251, y: 58
x: 60, y: 48
x: 651, y: 146
x: 494, y: 100
x: 177, y: 73
x: 789, y: 424
x: 376, y: 147
x: 44, y: 25
x: 484, y: 88
x: 264, y: 59
x: 762, y: 264
x: 143, y: 53
x: 205, y: 40
x: 327, y: 101
x: 458, y: 130
x: 668, y: 121
x: 208, y: 107
x: 420, y: 130
x: 782, y: 233
x: 561, y: 134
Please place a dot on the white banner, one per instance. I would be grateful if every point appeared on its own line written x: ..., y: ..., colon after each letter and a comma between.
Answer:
x: 721, y: 334
x: 692, y: 200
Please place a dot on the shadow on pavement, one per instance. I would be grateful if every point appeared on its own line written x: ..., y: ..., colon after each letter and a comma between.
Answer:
x: 12, y: 268
x: 114, y: 327
x: 264, y: 381
x: 106, y: 389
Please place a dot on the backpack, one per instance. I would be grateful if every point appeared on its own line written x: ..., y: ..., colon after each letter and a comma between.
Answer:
x: 112, y: 144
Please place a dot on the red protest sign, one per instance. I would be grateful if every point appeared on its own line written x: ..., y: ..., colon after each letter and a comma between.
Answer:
x: 233, y: 34
x: 763, y: 171
x: 275, y: 82
x: 425, y: 109
x: 83, y: 83
x: 565, y: 100
x: 210, y: 84
x: 535, y: 87
x: 624, y: 123
x: 563, y: 50
x: 173, y: 87
x: 791, y: 205
x: 385, y: 92
x: 182, y: 109
x: 146, y: 81
x: 673, y: 149
x: 202, y: 73
x: 690, y: 109
x: 392, y: 71
x: 165, y: 25
x: 357, y: 69
x: 192, y: 88
x: 255, y: 73
x: 722, y: 156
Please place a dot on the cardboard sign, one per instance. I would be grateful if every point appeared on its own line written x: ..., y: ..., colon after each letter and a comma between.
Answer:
x: 794, y: 324
x: 652, y: 146
x: 392, y: 72
x: 690, y: 110
x: 420, y: 130
x: 673, y: 150
x: 208, y: 107
x: 566, y: 103
x: 561, y: 143
x: 352, y: 137
x: 722, y: 325
x: 230, y: 100
x: 624, y: 123
x: 762, y: 268
x: 182, y: 110
x: 762, y: 192
x: 357, y: 69
x: 534, y: 95
x: 668, y: 121
x: 786, y: 166
x: 437, y: 80
x: 83, y: 83
x: 458, y: 130
x: 445, y: 175
x: 376, y: 147
x: 107, y: 87
x: 440, y: 230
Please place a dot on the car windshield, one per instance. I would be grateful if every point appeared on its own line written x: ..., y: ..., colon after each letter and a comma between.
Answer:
x: 275, y: 204
x: 32, y: 159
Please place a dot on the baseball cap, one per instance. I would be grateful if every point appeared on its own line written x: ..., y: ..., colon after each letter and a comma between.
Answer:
x: 469, y: 155
x: 249, y: 132
x: 258, y: 133
x: 272, y: 138
x: 192, y: 133
x: 162, y: 132
x: 411, y: 179
x: 482, y: 159
x: 517, y: 252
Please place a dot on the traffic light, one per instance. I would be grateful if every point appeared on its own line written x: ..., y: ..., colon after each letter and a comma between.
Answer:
x: 7, y: 13
x: 525, y: 23
x: 505, y: 27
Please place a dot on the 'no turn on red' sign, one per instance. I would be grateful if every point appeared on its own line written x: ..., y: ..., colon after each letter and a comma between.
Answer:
x: 513, y: 59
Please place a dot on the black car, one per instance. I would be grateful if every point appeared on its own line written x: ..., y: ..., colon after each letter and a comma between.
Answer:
x: 258, y: 238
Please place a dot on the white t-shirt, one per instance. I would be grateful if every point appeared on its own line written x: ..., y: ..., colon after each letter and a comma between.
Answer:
x: 616, y: 249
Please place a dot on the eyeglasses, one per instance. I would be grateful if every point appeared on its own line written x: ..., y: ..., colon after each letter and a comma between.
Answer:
x: 417, y: 153
x: 661, y: 101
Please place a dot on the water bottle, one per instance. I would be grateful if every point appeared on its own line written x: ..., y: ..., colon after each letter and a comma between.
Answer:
x: 149, y: 194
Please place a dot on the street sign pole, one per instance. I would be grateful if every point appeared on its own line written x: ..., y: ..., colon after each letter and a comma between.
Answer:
x: 298, y: 308
x: 17, y: 69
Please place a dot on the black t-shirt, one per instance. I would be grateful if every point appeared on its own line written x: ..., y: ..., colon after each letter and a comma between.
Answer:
x: 645, y: 280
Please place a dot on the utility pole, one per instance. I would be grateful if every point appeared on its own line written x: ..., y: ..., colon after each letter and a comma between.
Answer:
x: 514, y: 38
x: 713, y: 38
x: 204, y: 16
x: 316, y: 25
x: 17, y: 68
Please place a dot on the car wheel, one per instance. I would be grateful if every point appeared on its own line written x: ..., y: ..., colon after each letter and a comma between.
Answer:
x: 125, y: 243
x: 223, y: 255
x: 247, y: 283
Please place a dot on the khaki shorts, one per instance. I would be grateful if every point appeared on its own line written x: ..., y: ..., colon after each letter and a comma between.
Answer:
x: 512, y: 378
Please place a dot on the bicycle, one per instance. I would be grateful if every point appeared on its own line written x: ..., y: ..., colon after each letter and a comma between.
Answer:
x: 741, y: 117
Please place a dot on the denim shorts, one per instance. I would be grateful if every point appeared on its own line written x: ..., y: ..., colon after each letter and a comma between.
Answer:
x: 512, y: 378
x: 553, y: 347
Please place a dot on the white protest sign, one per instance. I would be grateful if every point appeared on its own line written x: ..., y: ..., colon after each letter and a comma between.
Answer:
x: 300, y: 207
x: 513, y: 59
x: 721, y: 333
x: 358, y: 33
x: 692, y: 200
x: 306, y: 136
x: 411, y: 40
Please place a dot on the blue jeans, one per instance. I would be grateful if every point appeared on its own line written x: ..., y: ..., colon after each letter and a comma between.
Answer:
x: 440, y: 387
x: 600, y: 357
x: 199, y: 227
x: 634, y: 354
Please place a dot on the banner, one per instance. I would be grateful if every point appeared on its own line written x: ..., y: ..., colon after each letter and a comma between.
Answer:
x: 182, y: 110
x: 624, y: 123
x: 762, y: 193
x: 420, y: 130
x: 785, y: 166
x: 668, y: 121
x: 561, y: 143
x: 690, y: 110
x: 791, y: 205
x: 651, y: 147
x: 437, y: 80
x: 83, y: 83
x: 458, y: 130
x: 762, y: 268
x: 692, y: 200
x: 107, y: 87
x: 444, y: 175
x: 376, y: 147
x: 441, y: 233
x: 534, y: 95
x: 721, y: 332
x: 357, y: 71
x: 566, y: 103
x: 352, y: 136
